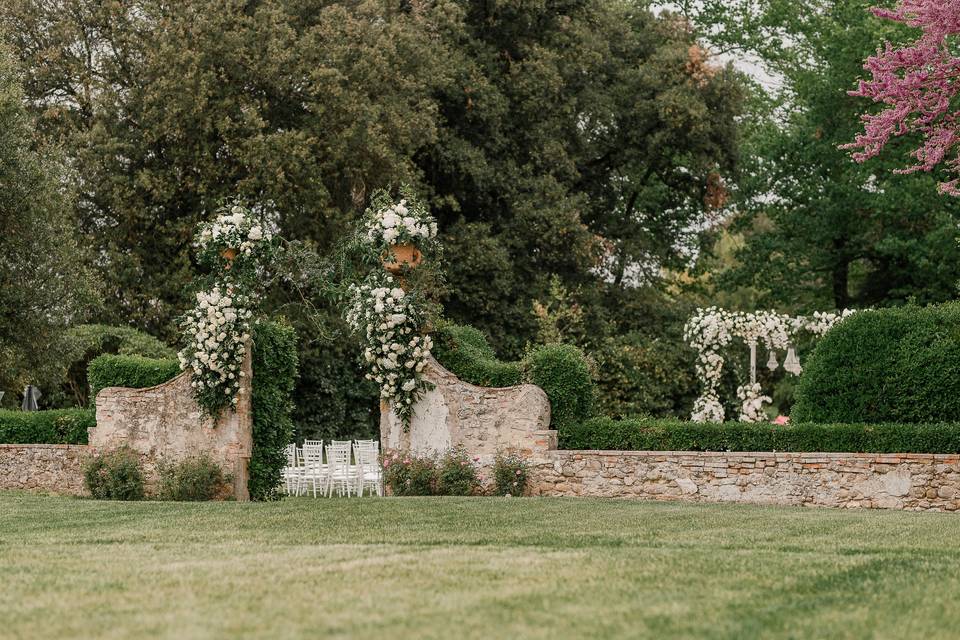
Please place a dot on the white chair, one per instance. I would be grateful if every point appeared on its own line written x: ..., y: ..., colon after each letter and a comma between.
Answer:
x: 370, y: 473
x: 314, y: 471
x: 340, y: 473
x: 291, y: 472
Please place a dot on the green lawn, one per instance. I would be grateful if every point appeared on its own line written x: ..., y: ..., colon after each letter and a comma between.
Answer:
x: 472, y: 568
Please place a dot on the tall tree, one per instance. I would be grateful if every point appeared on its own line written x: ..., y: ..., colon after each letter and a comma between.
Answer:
x: 43, y: 281
x: 821, y: 231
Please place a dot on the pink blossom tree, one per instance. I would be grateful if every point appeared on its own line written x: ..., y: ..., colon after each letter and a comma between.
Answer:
x: 918, y: 83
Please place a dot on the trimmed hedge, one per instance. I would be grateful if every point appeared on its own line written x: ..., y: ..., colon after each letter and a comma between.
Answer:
x: 651, y: 434
x: 134, y: 372
x: 274, y: 376
x: 465, y: 351
x: 59, y: 426
x: 560, y: 370
x: 890, y: 365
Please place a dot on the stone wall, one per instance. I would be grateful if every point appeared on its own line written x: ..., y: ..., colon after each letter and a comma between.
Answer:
x: 482, y: 420
x: 165, y: 424
x: 47, y: 468
x: 884, y: 481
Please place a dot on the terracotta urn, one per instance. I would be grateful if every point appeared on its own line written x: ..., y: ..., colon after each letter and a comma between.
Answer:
x: 399, y: 256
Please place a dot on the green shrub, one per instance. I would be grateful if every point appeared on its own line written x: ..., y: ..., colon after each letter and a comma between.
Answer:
x: 406, y: 474
x: 889, y: 365
x: 650, y: 434
x: 465, y: 351
x: 510, y: 474
x: 59, y: 426
x: 115, y: 475
x: 67, y: 383
x: 456, y: 474
x: 274, y: 376
x: 135, y: 372
x: 562, y: 371
x: 193, y: 479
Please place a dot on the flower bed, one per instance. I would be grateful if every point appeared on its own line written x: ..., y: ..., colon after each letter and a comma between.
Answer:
x: 649, y: 434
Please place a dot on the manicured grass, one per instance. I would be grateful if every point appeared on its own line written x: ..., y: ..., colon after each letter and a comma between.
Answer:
x: 472, y: 568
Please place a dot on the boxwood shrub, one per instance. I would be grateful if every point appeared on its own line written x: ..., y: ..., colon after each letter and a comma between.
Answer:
x: 275, y: 373
x: 129, y: 371
x: 890, y: 365
x: 59, y: 426
x: 560, y: 370
x: 654, y: 434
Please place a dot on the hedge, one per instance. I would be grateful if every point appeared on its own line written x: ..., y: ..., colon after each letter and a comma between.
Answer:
x: 59, y: 426
x: 274, y: 376
x: 891, y: 365
x: 560, y: 370
x: 464, y: 351
x: 129, y: 371
x: 652, y: 434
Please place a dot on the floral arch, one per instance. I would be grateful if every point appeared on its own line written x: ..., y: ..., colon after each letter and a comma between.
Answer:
x: 711, y: 329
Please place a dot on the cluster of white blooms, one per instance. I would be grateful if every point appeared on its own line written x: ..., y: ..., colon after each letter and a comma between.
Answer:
x: 752, y: 401
x: 235, y: 227
x: 395, y: 352
x: 216, y: 333
x: 399, y: 223
x: 710, y: 330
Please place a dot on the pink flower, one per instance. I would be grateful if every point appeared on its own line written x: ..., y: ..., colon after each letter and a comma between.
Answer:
x: 781, y: 420
x: 476, y: 458
x: 518, y: 472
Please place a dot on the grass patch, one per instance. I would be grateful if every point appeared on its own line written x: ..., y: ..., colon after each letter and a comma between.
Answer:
x: 472, y: 568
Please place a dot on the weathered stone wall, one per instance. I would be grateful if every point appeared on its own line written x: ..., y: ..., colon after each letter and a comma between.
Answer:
x: 483, y: 420
x: 884, y: 481
x: 165, y: 424
x: 47, y: 468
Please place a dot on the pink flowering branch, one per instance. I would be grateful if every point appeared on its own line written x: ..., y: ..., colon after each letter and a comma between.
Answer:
x: 918, y: 83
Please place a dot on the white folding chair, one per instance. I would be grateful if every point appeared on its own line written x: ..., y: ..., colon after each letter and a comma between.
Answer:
x: 291, y: 472
x: 370, y: 473
x: 340, y: 473
x: 314, y: 471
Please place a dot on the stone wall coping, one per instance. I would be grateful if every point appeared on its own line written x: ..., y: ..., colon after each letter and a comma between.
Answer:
x: 880, y: 457
x: 119, y: 391
x: 78, y: 447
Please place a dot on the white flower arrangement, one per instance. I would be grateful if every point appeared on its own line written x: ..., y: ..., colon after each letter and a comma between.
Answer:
x: 216, y: 332
x: 235, y: 227
x: 407, y: 221
x: 752, y: 400
x: 395, y: 352
x: 711, y: 329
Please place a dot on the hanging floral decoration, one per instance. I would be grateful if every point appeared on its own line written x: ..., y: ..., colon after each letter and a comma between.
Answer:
x: 237, y: 244
x: 711, y: 329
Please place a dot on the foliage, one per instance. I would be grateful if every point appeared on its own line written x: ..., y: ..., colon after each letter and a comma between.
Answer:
x: 889, y: 365
x: 561, y: 370
x: 657, y: 434
x: 407, y: 474
x: 820, y: 231
x: 134, y: 372
x: 275, y: 366
x: 510, y: 475
x: 456, y: 474
x: 917, y: 84
x: 115, y: 475
x: 194, y: 479
x: 464, y: 350
x: 57, y: 426
x: 546, y: 137
x: 80, y: 344
x: 44, y: 283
